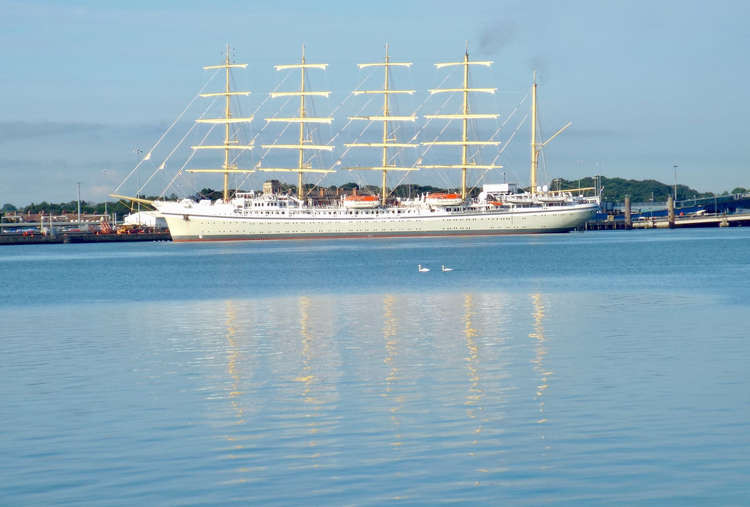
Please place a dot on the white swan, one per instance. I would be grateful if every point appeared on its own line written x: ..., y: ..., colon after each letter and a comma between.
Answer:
x: 422, y: 269
x: 446, y: 269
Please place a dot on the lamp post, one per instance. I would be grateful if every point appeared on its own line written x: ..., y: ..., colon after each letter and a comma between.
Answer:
x: 106, y: 173
x: 138, y: 183
x: 79, y: 204
x: 675, y: 182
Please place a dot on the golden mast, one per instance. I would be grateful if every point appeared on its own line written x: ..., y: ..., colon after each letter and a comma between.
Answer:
x: 229, y: 143
x: 388, y: 141
x: 303, y: 143
x: 464, y: 116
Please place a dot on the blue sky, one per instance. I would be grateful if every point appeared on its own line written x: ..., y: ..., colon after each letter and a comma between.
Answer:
x: 646, y: 84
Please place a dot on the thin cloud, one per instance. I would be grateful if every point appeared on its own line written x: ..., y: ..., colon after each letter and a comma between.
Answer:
x: 594, y: 132
x: 20, y: 130
x: 14, y: 130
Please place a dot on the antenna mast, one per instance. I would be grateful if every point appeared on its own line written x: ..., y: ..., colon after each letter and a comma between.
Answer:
x: 537, y: 147
x: 534, y: 149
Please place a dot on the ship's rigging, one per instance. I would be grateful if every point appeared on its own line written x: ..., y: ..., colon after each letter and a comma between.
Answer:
x: 387, y: 144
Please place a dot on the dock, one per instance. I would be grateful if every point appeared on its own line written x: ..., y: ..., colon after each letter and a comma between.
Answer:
x: 721, y: 211
x: 19, y: 238
x: 612, y: 223
x: 720, y: 220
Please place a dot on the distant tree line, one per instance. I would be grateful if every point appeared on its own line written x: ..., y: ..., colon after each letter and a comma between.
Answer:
x: 87, y: 208
x: 613, y: 190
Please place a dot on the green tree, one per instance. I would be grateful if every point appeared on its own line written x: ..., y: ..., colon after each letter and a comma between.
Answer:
x: 615, y: 189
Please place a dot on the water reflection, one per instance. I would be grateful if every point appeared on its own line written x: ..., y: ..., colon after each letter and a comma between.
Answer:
x: 238, y: 450
x: 308, y: 378
x: 540, y: 351
x: 232, y: 356
x: 475, y: 393
x: 390, y: 338
x: 288, y: 359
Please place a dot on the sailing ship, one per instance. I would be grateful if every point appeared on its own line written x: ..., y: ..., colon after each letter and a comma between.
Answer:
x: 496, y: 209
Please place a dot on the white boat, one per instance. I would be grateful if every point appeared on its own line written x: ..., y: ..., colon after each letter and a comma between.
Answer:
x: 497, y: 209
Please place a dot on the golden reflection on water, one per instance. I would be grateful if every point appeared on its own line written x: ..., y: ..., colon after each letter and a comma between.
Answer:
x: 390, y: 328
x: 540, y: 350
x: 299, y: 342
x: 233, y: 354
x: 307, y: 376
x: 475, y: 393
x: 238, y: 450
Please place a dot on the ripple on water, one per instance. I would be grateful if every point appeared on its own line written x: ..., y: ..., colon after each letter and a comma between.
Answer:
x: 561, y: 369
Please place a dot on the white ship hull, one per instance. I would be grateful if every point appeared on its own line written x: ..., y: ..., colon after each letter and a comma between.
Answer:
x: 221, y: 222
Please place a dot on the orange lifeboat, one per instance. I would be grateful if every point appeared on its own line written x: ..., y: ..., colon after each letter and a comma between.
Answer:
x: 361, y: 201
x: 444, y: 199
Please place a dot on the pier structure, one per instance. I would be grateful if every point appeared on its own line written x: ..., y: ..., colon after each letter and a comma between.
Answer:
x: 662, y: 222
x: 628, y: 218
x: 670, y: 211
x: 20, y: 238
x: 725, y: 210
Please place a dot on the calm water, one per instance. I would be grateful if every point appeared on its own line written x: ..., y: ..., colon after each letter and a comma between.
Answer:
x: 580, y: 368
